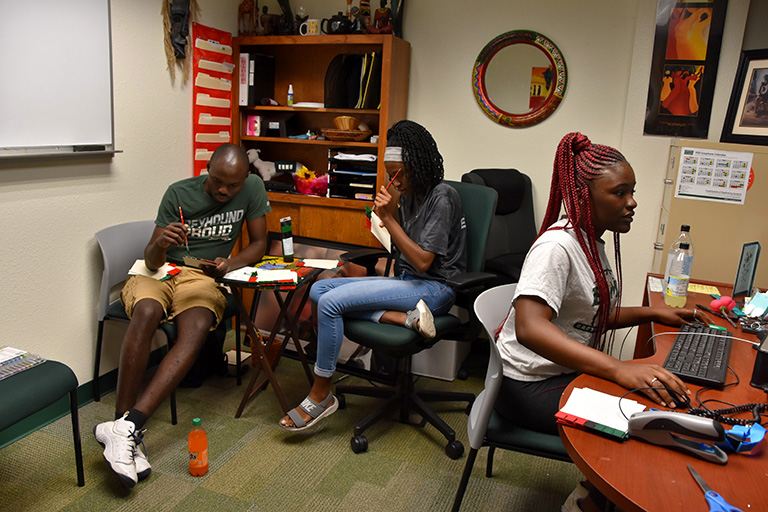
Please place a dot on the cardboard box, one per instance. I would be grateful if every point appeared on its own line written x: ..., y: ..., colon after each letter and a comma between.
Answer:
x: 442, y: 360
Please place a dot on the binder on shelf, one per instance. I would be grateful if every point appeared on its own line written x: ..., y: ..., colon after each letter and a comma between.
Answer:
x: 243, y: 74
x: 354, y: 81
x: 370, y: 82
x: 261, y: 78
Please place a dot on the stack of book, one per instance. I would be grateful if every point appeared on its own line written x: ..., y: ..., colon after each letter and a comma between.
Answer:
x: 352, y: 176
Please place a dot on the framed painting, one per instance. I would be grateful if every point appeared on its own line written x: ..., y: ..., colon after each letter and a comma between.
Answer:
x: 686, y: 52
x: 746, y: 121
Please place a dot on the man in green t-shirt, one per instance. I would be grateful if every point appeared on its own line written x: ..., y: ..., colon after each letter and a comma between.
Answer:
x: 200, y: 217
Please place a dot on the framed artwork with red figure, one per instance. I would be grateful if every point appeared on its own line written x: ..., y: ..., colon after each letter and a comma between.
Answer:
x: 685, y: 56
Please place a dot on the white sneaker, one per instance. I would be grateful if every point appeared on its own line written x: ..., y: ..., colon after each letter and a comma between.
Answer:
x: 119, y: 441
x: 426, y: 320
x: 143, y: 468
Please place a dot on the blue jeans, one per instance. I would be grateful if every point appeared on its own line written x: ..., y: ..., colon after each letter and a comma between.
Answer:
x: 367, y: 298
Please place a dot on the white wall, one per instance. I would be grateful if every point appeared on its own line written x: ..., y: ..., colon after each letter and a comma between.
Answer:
x: 51, y: 209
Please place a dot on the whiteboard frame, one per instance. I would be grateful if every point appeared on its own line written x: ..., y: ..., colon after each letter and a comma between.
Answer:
x: 99, y: 141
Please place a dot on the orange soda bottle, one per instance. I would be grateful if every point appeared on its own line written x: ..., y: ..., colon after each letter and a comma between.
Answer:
x: 198, y: 449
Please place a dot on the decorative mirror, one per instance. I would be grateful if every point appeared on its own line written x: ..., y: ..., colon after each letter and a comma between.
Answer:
x: 519, y: 78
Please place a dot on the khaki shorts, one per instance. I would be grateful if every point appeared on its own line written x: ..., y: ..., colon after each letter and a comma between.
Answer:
x: 188, y: 289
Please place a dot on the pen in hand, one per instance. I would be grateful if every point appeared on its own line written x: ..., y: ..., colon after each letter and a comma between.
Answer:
x: 186, y: 241
x: 392, y: 180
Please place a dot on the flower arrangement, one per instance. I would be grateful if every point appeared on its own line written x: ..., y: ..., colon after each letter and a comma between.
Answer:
x: 308, y: 183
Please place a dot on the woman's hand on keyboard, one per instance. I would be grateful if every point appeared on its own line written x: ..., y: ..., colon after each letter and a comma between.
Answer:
x: 638, y: 376
x: 679, y: 316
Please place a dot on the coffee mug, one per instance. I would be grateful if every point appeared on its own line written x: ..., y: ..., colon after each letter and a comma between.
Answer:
x: 310, y: 28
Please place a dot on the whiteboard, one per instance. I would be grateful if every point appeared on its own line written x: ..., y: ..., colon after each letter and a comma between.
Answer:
x: 56, y: 84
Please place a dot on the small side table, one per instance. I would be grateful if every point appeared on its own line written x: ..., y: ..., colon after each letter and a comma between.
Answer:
x: 285, y: 321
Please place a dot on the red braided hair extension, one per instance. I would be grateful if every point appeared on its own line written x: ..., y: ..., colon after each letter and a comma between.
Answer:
x: 576, y: 162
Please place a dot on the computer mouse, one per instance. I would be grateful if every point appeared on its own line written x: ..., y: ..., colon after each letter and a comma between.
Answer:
x: 681, y: 400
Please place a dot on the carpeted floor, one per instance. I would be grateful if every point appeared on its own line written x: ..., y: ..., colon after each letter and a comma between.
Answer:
x: 256, y: 466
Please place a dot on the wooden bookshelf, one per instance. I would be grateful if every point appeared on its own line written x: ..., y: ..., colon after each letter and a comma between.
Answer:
x: 302, y: 61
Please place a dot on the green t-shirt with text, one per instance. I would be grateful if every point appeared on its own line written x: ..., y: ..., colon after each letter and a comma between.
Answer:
x: 213, y: 226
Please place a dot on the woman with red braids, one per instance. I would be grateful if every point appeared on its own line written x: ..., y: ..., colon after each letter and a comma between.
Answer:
x: 566, y: 304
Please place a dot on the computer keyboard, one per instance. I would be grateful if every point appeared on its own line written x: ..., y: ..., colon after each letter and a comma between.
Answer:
x: 700, y: 355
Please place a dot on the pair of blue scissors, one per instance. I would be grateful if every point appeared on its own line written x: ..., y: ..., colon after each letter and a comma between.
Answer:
x: 716, y: 502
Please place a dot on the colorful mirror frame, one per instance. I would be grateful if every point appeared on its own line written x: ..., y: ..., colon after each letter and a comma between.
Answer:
x: 555, y: 95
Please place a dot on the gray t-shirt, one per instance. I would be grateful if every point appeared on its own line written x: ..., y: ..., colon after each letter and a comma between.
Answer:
x: 213, y: 226
x: 437, y: 225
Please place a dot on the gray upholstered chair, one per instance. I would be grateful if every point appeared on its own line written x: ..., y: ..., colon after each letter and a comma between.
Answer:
x: 485, y: 426
x: 121, y: 245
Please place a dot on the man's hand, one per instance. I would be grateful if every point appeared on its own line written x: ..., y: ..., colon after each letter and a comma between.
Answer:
x: 173, y: 234
x: 221, y: 268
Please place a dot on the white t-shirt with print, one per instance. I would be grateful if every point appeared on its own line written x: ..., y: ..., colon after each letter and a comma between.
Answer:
x: 557, y: 271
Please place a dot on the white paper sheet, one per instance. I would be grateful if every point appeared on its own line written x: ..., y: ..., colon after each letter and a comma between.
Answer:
x: 139, y: 268
x: 317, y: 263
x: 601, y: 408
x: 381, y: 233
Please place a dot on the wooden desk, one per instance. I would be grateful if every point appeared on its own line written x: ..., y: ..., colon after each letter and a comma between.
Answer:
x: 636, y: 475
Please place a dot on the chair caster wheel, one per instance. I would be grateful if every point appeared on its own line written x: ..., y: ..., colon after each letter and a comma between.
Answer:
x: 360, y: 444
x: 454, y: 449
x: 342, y: 401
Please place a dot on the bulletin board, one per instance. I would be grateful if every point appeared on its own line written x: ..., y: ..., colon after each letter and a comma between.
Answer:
x: 56, y: 91
x: 718, y: 229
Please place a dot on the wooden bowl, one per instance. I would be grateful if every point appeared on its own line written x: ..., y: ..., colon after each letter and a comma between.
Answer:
x: 346, y: 123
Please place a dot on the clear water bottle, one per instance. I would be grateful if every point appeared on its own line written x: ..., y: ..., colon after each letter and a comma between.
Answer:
x: 684, y: 236
x: 676, y: 291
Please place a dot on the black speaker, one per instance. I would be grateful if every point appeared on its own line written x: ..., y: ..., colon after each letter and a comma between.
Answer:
x: 760, y: 372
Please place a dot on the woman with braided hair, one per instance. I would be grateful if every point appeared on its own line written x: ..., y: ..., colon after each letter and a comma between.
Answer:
x: 566, y: 304
x: 430, y: 237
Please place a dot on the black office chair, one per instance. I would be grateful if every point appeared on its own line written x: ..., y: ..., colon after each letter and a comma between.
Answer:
x: 401, y: 343
x: 121, y: 245
x: 513, y: 229
x: 485, y: 426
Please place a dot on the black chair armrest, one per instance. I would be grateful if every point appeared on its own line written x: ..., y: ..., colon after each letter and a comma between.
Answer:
x: 368, y: 258
x: 469, y: 280
x: 359, y: 255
